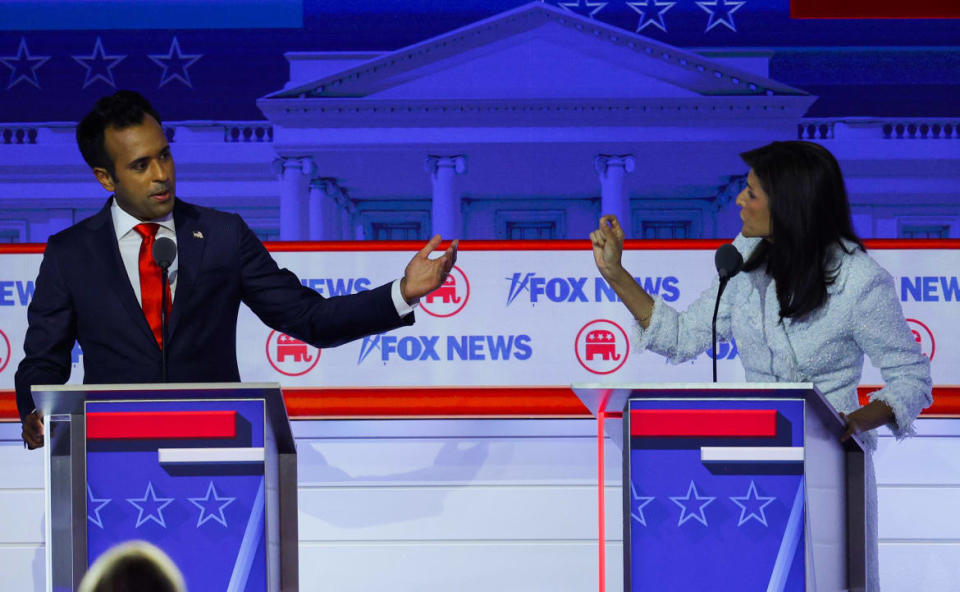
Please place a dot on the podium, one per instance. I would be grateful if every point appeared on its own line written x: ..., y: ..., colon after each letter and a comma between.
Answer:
x: 207, y: 472
x: 735, y: 487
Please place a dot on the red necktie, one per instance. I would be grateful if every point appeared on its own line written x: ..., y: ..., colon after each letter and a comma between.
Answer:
x: 150, y: 279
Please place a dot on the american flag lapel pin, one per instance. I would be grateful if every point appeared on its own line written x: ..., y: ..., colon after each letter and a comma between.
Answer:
x: 197, y: 234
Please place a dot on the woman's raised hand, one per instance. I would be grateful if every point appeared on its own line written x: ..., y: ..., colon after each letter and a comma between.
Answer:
x: 607, y: 242
x: 607, y: 250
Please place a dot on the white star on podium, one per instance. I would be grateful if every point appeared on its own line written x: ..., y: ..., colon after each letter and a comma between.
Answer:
x: 640, y: 502
x: 693, y: 498
x: 753, y: 499
x: 205, y: 503
x: 100, y: 503
x: 153, y: 506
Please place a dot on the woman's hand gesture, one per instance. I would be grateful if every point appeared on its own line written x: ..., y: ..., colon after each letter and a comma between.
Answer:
x: 607, y: 250
x: 608, y: 247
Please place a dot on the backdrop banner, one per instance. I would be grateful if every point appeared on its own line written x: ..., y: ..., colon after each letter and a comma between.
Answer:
x: 512, y: 317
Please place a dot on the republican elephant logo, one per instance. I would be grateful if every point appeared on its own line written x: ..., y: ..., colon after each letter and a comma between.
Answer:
x: 602, y: 346
x: 293, y: 347
x: 447, y: 293
x: 924, y: 336
x: 5, y: 351
x: 603, y: 343
x: 450, y: 298
x: 290, y: 356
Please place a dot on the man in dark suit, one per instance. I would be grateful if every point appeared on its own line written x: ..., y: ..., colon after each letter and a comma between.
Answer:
x: 99, y: 285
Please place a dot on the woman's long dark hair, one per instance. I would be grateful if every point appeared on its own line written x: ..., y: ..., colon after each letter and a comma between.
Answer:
x: 809, y: 215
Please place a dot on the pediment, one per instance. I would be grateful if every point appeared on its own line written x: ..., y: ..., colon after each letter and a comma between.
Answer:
x: 533, y: 65
x: 537, y: 51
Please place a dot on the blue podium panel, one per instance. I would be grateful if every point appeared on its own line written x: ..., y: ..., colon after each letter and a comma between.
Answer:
x: 716, y: 494
x: 187, y: 476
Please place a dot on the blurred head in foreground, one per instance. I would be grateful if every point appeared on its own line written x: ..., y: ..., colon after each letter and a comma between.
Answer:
x: 135, y: 566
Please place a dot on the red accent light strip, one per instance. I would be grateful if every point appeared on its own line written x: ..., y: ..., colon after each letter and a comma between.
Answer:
x: 601, y: 494
x: 913, y: 243
x: 527, y: 245
x: 23, y: 249
x: 163, y: 425
x: 489, y: 402
x: 490, y: 245
x: 709, y: 423
x: 435, y: 402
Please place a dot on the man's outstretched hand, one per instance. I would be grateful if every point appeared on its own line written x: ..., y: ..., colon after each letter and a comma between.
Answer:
x: 424, y: 275
x: 32, y: 430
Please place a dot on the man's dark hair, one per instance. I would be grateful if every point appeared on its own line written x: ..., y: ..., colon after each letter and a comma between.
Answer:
x: 136, y: 574
x: 809, y: 217
x: 134, y: 566
x: 123, y: 109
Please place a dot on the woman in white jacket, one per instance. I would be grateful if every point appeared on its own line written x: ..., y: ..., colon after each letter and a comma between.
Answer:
x: 807, y: 307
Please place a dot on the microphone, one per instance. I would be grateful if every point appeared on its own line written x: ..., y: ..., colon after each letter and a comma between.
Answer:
x: 728, y: 261
x: 164, y: 252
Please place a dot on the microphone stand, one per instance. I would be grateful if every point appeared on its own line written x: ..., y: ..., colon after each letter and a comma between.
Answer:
x: 164, y: 285
x: 728, y: 261
x: 716, y: 308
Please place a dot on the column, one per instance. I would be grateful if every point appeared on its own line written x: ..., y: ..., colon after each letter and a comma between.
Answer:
x: 726, y: 212
x: 329, y: 209
x: 332, y: 215
x: 611, y: 168
x: 315, y: 213
x: 445, y: 214
x: 323, y: 209
x: 344, y: 210
x: 294, y: 223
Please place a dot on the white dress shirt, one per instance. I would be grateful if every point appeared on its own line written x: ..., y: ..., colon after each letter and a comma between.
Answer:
x: 129, y: 242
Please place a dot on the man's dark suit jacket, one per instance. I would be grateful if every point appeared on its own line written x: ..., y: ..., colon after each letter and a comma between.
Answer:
x: 82, y: 293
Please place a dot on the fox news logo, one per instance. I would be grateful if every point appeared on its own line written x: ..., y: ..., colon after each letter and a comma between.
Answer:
x: 16, y: 292
x: 468, y: 348
x: 725, y: 350
x: 337, y: 286
x: 582, y: 289
x: 930, y: 289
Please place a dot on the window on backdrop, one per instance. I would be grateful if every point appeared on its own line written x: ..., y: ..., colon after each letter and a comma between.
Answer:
x: 520, y: 224
x: 531, y: 230
x: 665, y: 229
x: 409, y: 230
x: 925, y: 231
x: 13, y: 231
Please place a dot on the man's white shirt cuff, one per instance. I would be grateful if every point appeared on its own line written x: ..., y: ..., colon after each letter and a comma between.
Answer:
x: 403, y: 309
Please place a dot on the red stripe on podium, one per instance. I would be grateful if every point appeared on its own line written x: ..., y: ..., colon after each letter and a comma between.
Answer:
x: 710, y: 423
x: 143, y: 425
